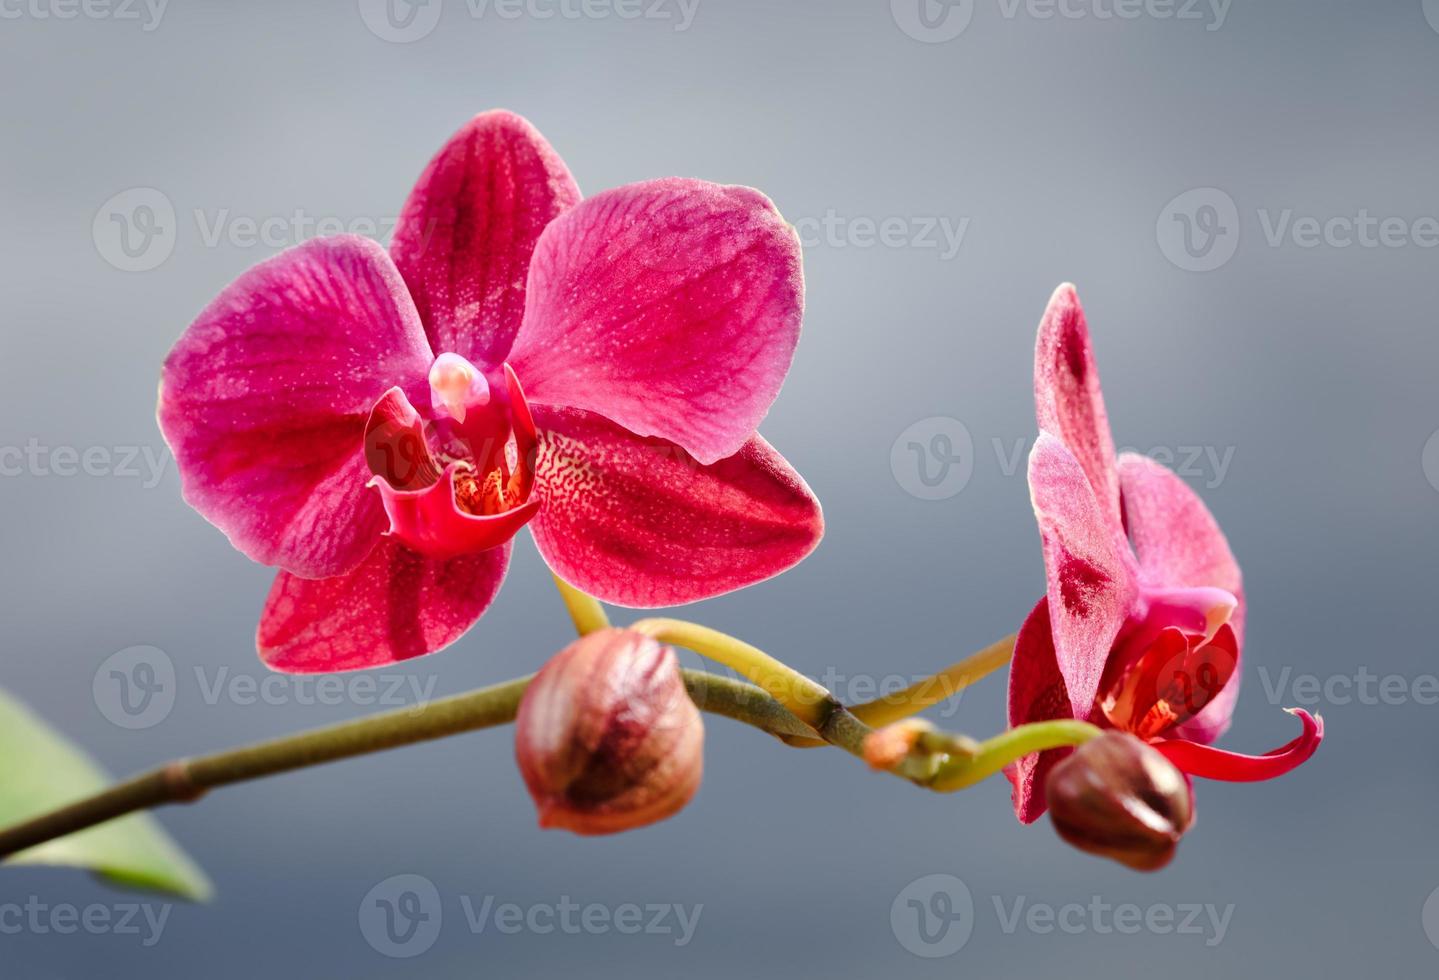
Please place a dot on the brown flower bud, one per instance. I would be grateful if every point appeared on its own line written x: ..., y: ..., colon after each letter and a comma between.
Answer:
x: 607, y: 738
x: 1120, y: 798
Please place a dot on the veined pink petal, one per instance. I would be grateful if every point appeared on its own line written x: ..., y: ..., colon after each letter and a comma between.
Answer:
x: 639, y: 522
x: 466, y: 234
x: 264, y: 398
x: 671, y: 307
x: 1211, y: 763
x: 1067, y: 398
x: 1179, y: 543
x: 1036, y: 693
x: 1091, y: 579
x: 396, y: 605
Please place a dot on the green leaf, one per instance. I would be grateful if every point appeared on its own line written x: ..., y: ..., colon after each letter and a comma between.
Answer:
x: 40, y: 770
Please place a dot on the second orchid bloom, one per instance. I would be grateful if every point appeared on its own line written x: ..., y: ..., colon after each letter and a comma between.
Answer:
x: 1143, y: 624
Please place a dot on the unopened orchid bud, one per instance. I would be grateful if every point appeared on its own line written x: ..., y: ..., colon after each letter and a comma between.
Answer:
x: 607, y: 738
x: 891, y: 745
x: 1120, y: 798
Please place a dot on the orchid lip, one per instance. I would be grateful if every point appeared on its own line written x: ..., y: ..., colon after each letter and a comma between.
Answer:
x: 432, y: 522
x: 472, y: 494
x: 1174, y: 656
x: 1211, y: 763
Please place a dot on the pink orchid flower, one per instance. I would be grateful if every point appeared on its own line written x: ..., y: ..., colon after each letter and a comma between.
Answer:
x: 380, y: 425
x: 1143, y: 623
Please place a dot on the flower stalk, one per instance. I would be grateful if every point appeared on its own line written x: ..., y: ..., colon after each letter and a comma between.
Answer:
x: 186, y: 780
x: 781, y: 702
x: 938, y: 688
x: 585, y: 610
x: 962, y: 771
x: 806, y: 699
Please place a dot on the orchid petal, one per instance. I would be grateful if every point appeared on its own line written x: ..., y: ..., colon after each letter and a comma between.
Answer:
x: 639, y: 522
x: 522, y: 422
x: 1091, y: 580
x: 264, y: 399
x: 398, y: 604
x: 1036, y: 693
x: 469, y: 227
x: 1211, y: 763
x: 395, y: 445
x: 1067, y: 396
x: 1179, y: 543
x: 670, y: 307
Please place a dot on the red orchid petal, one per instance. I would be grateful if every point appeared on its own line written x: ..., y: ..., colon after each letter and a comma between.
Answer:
x: 469, y: 227
x: 395, y: 445
x: 1092, y: 588
x: 1179, y: 543
x: 396, y: 605
x: 264, y: 400
x: 670, y: 307
x: 431, y: 522
x: 639, y: 522
x: 1036, y: 693
x: 522, y: 422
x: 1067, y: 398
x: 1211, y: 763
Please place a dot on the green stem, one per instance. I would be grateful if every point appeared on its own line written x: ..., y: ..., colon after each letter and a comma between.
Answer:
x: 805, y: 699
x: 961, y: 772
x: 186, y: 780
x: 940, y: 687
x: 585, y: 610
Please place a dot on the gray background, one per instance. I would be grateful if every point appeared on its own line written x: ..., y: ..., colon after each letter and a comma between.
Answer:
x: 1062, y: 140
